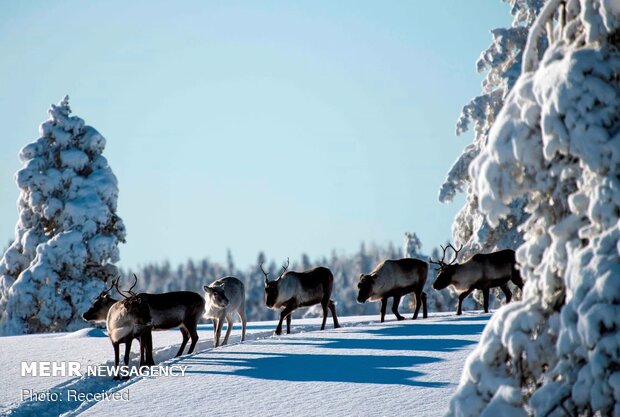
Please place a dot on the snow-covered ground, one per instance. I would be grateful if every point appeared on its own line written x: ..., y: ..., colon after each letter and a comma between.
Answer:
x: 365, y: 368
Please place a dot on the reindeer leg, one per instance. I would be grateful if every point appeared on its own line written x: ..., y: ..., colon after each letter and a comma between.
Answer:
x: 324, y: 307
x: 229, y: 326
x: 115, y: 345
x: 418, y: 303
x: 383, y: 308
x: 194, y: 335
x: 507, y: 292
x: 287, y: 310
x: 215, y: 323
x: 462, y: 296
x: 220, y: 324
x: 424, y: 308
x: 142, y: 350
x: 395, y: 303
x: 332, y: 308
x: 127, y: 353
x: 243, y: 321
x: 185, y: 334
x: 148, y: 351
x: 485, y: 296
x: 288, y: 324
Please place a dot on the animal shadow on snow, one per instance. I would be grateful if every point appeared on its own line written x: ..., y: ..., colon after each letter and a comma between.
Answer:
x: 347, y: 367
x: 320, y: 368
x: 386, y: 343
x: 395, y: 337
x: 439, y: 329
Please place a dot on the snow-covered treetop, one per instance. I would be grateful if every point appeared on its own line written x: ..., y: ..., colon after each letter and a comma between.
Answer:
x: 502, y: 61
x: 412, y: 246
x: 67, y: 230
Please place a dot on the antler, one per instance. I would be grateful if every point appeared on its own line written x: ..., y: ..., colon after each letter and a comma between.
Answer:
x: 130, y: 292
x: 118, y: 290
x: 456, y: 252
x: 134, y: 284
x: 284, y: 267
x: 442, y: 262
x: 266, y: 274
x: 111, y: 285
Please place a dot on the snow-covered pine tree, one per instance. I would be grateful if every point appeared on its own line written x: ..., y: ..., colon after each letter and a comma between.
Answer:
x: 67, y: 235
x: 556, y: 142
x: 412, y: 246
x: 502, y: 61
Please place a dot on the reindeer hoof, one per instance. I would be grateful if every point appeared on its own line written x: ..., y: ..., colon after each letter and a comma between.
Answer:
x: 399, y: 318
x: 278, y: 332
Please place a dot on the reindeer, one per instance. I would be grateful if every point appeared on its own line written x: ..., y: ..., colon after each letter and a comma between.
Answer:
x: 395, y: 278
x: 224, y: 297
x: 126, y: 320
x: 167, y: 310
x: 293, y: 290
x: 480, y: 272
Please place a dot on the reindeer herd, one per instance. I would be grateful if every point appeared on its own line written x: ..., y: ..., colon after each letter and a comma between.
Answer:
x: 134, y: 316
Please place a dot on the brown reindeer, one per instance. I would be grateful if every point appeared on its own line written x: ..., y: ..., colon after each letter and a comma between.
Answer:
x: 293, y: 290
x: 181, y: 309
x: 480, y: 272
x: 395, y: 278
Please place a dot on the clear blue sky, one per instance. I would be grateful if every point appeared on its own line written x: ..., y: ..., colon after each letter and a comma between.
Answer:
x: 287, y: 127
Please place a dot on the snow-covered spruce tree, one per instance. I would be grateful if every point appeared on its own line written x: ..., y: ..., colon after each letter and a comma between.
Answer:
x: 502, y: 61
x: 67, y: 235
x: 556, y: 142
x: 412, y: 246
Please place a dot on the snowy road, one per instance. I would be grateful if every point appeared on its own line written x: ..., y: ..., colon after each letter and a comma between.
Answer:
x: 365, y: 368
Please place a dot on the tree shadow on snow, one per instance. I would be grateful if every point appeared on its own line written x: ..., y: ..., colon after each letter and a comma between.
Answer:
x: 371, y: 369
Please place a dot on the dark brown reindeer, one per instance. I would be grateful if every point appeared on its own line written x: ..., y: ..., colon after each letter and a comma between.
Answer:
x: 480, y: 272
x: 395, y: 278
x: 293, y: 290
x: 181, y: 309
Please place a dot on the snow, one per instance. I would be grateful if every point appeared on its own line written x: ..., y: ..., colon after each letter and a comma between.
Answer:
x: 554, y: 144
x: 363, y: 368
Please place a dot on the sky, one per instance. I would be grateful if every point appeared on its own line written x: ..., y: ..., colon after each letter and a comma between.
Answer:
x: 283, y: 127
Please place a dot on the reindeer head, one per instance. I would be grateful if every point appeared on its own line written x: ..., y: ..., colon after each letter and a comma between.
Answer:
x: 98, y: 311
x: 272, y: 287
x: 365, y: 287
x: 445, y: 270
x: 216, y: 296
